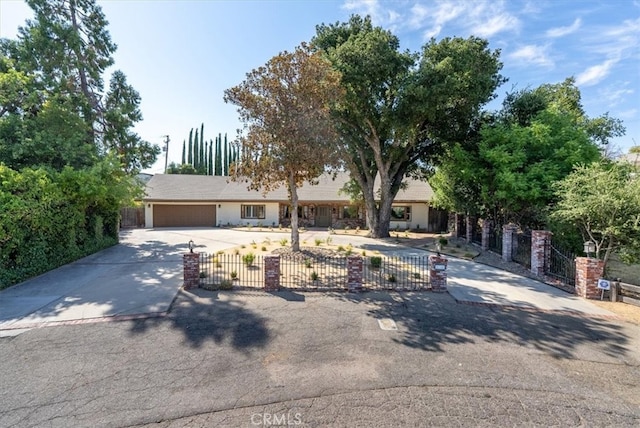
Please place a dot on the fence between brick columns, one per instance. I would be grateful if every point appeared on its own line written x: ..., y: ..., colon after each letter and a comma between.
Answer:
x: 588, y: 271
x: 507, y: 241
x: 191, y: 268
x: 540, y: 243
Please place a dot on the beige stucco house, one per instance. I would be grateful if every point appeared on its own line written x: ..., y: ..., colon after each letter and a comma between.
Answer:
x: 210, y: 201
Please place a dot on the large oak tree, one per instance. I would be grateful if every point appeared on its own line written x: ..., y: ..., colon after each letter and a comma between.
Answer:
x: 401, y: 108
x: 288, y: 136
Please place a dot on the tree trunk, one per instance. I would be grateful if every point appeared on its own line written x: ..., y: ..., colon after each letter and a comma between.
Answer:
x: 295, y: 234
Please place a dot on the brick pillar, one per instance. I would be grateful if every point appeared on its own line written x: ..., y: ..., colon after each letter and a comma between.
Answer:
x: 469, y: 229
x: 191, y: 267
x: 271, y: 273
x: 507, y: 240
x: 588, y: 271
x: 486, y: 230
x: 437, y: 277
x: 354, y: 273
x: 539, y: 254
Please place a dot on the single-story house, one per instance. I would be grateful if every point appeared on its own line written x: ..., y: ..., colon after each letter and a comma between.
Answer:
x: 174, y: 200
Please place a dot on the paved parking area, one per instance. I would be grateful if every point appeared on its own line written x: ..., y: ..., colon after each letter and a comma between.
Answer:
x: 141, y: 276
x: 242, y: 359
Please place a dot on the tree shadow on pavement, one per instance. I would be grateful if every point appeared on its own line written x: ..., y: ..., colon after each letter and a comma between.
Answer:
x: 201, y: 316
x: 430, y: 321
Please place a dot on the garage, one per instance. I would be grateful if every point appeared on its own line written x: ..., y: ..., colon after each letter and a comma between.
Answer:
x: 184, y: 215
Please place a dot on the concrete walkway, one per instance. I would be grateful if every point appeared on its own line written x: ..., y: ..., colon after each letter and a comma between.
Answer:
x: 141, y: 276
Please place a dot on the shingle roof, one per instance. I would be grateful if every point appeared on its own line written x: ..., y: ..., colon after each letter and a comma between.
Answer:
x: 207, y: 188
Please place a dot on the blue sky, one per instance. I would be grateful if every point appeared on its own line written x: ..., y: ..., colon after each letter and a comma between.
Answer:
x: 182, y: 55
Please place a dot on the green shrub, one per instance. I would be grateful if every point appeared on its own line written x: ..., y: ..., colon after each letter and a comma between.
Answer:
x: 225, y: 284
x: 203, y: 274
x: 307, y: 263
x: 443, y: 241
x: 284, y: 242
x: 391, y: 278
x: 248, y: 259
x: 314, y: 276
x: 318, y: 242
x: 51, y: 218
x: 376, y: 261
x: 234, y: 275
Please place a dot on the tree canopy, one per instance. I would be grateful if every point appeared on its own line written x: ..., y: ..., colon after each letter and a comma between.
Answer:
x: 288, y: 136
x: 401, y: 109
x: 603, y: 200
x: 53, y: 109
x: 507, y: 171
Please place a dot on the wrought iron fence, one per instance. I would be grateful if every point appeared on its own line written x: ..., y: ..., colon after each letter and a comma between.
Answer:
x: 476, y: 233
x: 521, y: 249
x: 495, y: 240
x: 560, y: 264
x: 301, y: 271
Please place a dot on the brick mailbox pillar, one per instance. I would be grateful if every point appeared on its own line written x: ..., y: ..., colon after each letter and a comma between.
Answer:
x: 588, y: 271
x: 271, y: 273
x: 191, y: 266
x: 539, y: 254
x: 438, y: 273
x: 354, y: 273
x: 507, y: 241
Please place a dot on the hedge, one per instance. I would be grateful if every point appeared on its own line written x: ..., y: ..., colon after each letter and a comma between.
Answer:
x: 50, y: 218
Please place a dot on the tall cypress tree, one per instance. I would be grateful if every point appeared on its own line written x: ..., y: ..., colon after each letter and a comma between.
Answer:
x: 190, y: 154
x: 210, y: 166
x: 196, y: 152
x: 184, y: 144
x: 218, y: 155
x: 201, y: 162
x: 226, y: 155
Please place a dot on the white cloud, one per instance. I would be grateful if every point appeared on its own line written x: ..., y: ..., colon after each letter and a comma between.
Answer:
x: 482, y: 18
x: 563, y: 31
x: 627, y: 114
x: 595, y: 74
x: 365, y: 7
x: 532, y: 54
x: 616, y: 94
x: 496, y: 24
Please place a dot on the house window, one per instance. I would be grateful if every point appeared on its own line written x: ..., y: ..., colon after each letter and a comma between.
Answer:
x: 303, y: 212
x: 401, y: 213
x: 252, y: 211
x: 349, y: 211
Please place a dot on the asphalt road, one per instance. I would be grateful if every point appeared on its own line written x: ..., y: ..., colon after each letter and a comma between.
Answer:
x: 294, y: 359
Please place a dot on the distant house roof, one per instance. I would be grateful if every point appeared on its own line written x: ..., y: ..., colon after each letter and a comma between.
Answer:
x: 207, y: 188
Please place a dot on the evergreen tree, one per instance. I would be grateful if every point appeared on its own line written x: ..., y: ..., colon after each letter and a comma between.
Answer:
x: 218, y: 164
x: 226, y: 156
x: 210, y: 166
x: 190, y: 155
x: 184, y: 160
x: 196, y: 152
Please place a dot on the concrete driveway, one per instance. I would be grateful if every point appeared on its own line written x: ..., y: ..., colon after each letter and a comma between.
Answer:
x: 140, y: 277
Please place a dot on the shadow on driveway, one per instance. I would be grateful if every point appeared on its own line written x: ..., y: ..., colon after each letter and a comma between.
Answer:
x: 431, y: 321
x: 200, y: 316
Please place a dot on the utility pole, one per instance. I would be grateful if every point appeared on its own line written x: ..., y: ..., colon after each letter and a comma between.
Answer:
x: 165, y: 149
